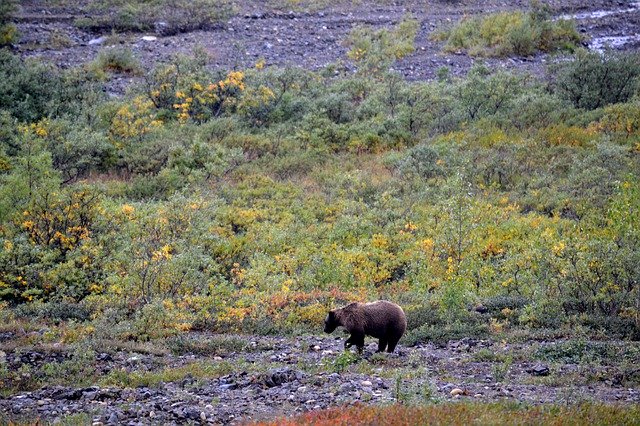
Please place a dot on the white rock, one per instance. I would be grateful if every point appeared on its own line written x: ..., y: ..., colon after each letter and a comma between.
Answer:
x: 149, y: 38
x: 97, y: 41
x: 456, y: 391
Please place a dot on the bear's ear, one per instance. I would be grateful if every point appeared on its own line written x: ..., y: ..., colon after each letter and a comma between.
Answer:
x: 331, y: 316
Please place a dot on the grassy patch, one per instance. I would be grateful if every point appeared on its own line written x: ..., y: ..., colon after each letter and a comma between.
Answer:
x: 409, y: 392
x: 511, y: 33
x: 115, y: 60
x: 441, y: 334
x: 198, y: 370
x: 580, y: 352
x: 76, y: 370
x: 165, y: 16
x: 344, y: 360
x: 559, y: 380
x: 489, y: 355
x: 444, y: 414
x: 156, y: 348
x: 207, y: 345
x: 76, y: 419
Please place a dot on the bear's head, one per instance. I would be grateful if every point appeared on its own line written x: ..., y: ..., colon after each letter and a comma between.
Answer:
x: 331, y: 322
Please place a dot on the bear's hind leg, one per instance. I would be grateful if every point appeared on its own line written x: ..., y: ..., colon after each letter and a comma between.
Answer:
x: 392, y: 345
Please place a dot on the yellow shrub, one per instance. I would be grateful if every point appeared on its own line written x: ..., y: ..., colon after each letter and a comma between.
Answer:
x: 312, y: 314
x: 561, y: 134
x: 622, y: 120
x: 132, y: 121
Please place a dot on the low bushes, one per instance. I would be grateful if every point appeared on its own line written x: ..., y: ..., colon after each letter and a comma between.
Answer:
x: 511, y: 33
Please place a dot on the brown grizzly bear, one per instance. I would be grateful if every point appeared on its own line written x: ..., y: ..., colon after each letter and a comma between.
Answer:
x: 382, y: 319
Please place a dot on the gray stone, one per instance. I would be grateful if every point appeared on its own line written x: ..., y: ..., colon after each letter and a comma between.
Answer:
x: 113, y: 418
x: 539, y: 370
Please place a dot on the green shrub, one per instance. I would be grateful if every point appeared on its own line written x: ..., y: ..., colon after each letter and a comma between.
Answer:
x: 8, y: 31
x: 374, y: 51
x: 534, y: 110
x: 55, y: 311
x: 344, y: 360
x: 117, y: 60
x: 593, y: 80
x: 31, y: 90
x: 77, y: 150
x: 420, y: 161
x: 141, y: 15
x: 484, y: 94
x: 498, y: 303
x: 512, y: 33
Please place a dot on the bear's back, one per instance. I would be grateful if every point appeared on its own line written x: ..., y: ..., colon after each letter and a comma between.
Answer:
x: 383, y: 317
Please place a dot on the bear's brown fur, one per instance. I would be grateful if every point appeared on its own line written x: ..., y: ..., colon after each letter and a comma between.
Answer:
x: 382, y: 319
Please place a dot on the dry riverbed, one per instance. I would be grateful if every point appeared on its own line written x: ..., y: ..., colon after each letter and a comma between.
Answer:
x: 215, y: 379
x: 314, y: 38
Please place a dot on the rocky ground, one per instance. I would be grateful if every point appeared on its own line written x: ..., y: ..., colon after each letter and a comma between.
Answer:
x: 314, y: 39
x: 284, y: 376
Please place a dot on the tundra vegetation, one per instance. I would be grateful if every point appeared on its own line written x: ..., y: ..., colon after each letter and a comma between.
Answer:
x: 255, y: 200
x: 512, y: 33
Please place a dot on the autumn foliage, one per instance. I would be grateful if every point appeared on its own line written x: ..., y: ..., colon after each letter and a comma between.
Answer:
x: 256, y: 199
x: 465, y: 414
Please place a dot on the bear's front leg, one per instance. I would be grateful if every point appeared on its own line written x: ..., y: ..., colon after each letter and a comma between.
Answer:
x: 348, y: 343
x: 356, y: 339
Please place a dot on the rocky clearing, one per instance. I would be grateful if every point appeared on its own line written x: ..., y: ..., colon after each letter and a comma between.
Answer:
x: 314, y: 39
x: 252, y: 377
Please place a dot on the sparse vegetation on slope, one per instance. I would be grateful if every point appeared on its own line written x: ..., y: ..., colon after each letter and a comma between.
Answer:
x: 304, y: 191
x: 165, y: 16
x: 512, y: 33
